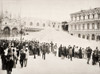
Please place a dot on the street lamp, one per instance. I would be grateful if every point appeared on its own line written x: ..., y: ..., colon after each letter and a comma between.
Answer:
x: 21, y: 33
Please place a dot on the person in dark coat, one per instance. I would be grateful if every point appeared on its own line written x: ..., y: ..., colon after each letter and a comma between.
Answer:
x: 99, y: 57
x: 65, y: 51
x: 44, y: 52
x: 1, y: 49
x: 38, y: 50
x: 3, y: 60
x: 34, y: 52
x: 20, y: 46
x: 89, y: 51
x: 17, y: 53
x: 26, y: 57
x: 60, y: 51
x: 22, y: 57
x: 73, y: 51
x: 70, y: 53
x: 9, y: 64
x: 94, y: 58
x: 14, y: 58
x: 52, y: 49
x: 96, y: 52
x: 80, y: 53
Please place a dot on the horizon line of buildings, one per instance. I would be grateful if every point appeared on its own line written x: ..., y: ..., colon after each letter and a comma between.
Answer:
x: 84, y: 24
x: 12, y: 26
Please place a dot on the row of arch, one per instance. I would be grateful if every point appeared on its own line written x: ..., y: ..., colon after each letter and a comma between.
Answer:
x: 90, y: 37
x: 53, y: 24
x: 85, y: 26
x: 9, y: 32
x: 85, y: 16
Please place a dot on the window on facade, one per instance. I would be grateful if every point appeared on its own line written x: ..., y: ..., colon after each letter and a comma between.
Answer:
x: 14, y: 23
x: 83, y: 36
x: 24, y: 23
x: 72, y: 18
x: 98, y: 16
x: 5, y: 22
x: 83, y: 26
x: 79, y: 17
x: 58, y: 26
x: 75, y: 18
x: 88, y: 36
x: 98, y: 26
x: 93, y: 16
x: 53, y: 25
x: 98, y: 37
x: 79, y: 27
x: 93, y: 37
x: 49, y: 24
x: 37, y: 24
x: 31, y: 23
x: 79, y: 35
x: 75, y: 26
x: 71, y: 33
x: 93, y: 26
x: 72, y: 27
x: 84, y: 17
x: 43, y: 24
x: 88, y: 26
x: 88, y: 16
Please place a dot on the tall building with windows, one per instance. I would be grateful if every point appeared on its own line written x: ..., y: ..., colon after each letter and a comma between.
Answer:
x: 86, y: 24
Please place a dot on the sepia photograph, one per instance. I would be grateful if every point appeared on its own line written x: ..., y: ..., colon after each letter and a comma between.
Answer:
x: 49, y: 36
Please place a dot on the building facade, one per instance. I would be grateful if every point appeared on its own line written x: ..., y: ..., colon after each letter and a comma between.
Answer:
x: 10, y: 27
x: 86, y: 24
x: 34, y: 24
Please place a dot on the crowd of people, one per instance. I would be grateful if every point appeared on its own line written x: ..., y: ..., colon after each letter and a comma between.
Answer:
x: 12, y: 51
x: 79, y: 52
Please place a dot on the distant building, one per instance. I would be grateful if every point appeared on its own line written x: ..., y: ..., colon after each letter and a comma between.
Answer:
x: 34, y: 24
x: 86, y: 24
x: 65, y: 25
x: 10, y: 27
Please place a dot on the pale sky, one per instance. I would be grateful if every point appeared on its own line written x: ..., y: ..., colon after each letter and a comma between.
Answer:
x: 58, y: 10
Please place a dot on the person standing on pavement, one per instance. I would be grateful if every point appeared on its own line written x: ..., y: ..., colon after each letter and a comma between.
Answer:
x: 70, y: 53
x: 22, y: 57
x: 26, y: 56
x: 44, y: 51
x: 80, y: 53
x: 3, y: 60
x: 9, y: 64
x: 60, y: 51
x: 89, y: 51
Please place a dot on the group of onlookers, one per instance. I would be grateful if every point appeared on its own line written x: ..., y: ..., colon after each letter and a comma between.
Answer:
x: 79, y: 52
x: 12, y: 50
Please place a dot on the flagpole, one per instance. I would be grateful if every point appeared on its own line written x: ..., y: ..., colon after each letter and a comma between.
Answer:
x: 20, y: 22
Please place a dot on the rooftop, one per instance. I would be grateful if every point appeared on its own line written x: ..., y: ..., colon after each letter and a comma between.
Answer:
x: 94, y: 10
